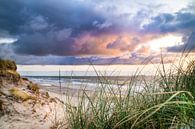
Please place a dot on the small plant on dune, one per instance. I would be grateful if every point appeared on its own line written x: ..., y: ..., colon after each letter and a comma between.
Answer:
x: 20, y: 94
x: 34, y: 88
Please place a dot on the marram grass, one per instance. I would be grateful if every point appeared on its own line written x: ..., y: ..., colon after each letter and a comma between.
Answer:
x: 167, y: 103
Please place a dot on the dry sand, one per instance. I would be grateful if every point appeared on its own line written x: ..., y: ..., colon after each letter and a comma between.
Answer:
x: 40, y: 114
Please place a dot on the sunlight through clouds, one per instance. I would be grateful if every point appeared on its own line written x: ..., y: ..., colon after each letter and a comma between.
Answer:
x: 165, y: 41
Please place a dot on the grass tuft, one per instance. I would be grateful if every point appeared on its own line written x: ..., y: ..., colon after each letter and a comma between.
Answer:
x: 167, y: 102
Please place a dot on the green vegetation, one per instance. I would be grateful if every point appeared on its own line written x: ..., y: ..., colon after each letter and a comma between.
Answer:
x: 167, y: 102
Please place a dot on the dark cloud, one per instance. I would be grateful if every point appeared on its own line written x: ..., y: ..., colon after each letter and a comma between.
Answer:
x: 39, y: 14
x: 46, y: 27
x: 52, y: 42
x: 165, y: 23
x: 188, y: 46
x: 11, y: 15
x: 51, y: 28
x: 36, y: 23
x: 72, y: 60
x: 42, y: 30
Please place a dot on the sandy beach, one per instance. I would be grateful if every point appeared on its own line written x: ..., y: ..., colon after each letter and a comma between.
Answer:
x: 27, y: 105
x: 41, y: 113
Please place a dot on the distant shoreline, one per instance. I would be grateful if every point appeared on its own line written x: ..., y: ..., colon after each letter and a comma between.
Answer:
x: 89, y: 77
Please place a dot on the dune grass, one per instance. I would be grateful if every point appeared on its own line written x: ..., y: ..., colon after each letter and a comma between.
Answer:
x: 166, y: 102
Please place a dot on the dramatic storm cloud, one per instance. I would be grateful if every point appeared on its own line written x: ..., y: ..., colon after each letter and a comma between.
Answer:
x: 83, y: 31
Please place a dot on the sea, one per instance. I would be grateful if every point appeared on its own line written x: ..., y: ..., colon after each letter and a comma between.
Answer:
x: 84, y: 76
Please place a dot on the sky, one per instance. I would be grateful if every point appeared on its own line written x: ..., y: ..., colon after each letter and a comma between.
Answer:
x: 67, y: 32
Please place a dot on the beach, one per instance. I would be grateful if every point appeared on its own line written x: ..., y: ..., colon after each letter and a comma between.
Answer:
x: 44, y: 116
x: 24, y: 104
x: 29, y: 101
